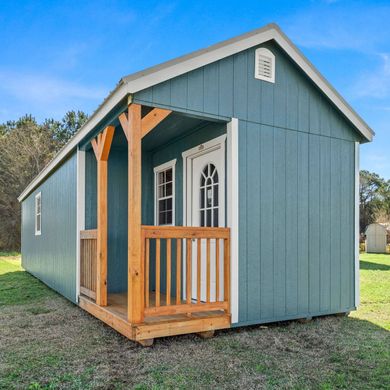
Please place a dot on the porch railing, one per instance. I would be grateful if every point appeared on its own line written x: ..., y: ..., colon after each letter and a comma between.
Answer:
x: 88, y: 258
x: 196, y: 262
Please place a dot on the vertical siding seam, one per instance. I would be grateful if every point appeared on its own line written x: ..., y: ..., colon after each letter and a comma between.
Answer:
x: 260, y: 259
x: 285, y: 222
x: 273, y: 223
x: 308, y: 225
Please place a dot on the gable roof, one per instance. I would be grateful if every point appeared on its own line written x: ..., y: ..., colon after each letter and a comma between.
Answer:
x: 151, y: 76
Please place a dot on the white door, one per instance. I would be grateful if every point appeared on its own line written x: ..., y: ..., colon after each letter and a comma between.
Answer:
x: 205, y: 206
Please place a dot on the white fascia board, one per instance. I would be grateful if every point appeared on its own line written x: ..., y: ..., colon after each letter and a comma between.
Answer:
x: 112, y: 100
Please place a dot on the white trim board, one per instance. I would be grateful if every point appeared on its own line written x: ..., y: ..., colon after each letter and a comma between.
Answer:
x: 176, y: 67
x: 80, y: 212
x: 357, y: 226
x: 232, y: 212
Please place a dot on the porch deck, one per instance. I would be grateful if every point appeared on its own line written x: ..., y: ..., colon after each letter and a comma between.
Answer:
x: 115, y: 315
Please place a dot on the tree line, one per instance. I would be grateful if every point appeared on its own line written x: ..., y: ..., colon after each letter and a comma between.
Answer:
x: 26, y: 147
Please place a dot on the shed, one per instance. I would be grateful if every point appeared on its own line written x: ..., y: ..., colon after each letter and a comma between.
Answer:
x: 376, y: 238
x: 216, y: 190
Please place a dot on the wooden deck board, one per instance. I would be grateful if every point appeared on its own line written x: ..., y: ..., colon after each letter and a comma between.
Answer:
x: 115, y: 315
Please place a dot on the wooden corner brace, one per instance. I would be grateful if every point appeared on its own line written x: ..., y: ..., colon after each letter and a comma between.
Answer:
x: 101, y: 147
x: 148, y: 122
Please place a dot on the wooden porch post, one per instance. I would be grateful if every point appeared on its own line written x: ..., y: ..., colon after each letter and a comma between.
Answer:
x: 135, y: 310
x: 101, y: 147
x: 135, y: 128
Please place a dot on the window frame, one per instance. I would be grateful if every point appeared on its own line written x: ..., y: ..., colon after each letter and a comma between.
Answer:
x: 38, y: 198
x: 158, y: 169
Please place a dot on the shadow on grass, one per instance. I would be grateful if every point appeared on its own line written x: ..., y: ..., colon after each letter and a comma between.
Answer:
x: 374, y: 266
x: 19, y: 287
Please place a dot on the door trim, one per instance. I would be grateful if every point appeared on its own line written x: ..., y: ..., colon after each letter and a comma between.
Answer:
x: 192, y: 153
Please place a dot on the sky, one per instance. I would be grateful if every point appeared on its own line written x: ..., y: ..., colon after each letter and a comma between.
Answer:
x: 58, y: 56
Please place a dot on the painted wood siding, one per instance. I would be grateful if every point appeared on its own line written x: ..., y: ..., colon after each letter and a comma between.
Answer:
x: 299, y: 200
x: 227, y: 88
x: 51, y: 257
x: 296, y: 183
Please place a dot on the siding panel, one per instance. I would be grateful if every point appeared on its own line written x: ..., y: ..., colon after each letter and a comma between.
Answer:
x: 51, y: 257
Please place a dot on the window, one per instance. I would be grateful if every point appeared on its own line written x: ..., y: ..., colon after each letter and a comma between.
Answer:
x: 209, y: 187
x: 38, y: 214
x: 164, y: 189
x: 265, y: 65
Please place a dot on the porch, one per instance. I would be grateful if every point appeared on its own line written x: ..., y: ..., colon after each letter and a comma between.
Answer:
x: 178, y: 277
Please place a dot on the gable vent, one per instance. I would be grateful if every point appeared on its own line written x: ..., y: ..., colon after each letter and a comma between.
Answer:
x: 264, y: 65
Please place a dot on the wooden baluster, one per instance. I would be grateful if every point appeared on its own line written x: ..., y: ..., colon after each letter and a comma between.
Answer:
x: 147, y: 266
x: 199, y: 261
x: 157, y: 272
x: 226, y: 267
x: 217, y: 269
x: 178, y: 270
x: 208, y: 288
x: 188, y: 272
x: 168, y: 290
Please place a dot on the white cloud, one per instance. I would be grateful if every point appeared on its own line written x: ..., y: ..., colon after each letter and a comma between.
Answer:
x: 44, y: 89
x: 339, y: 26
x: 374, y: 83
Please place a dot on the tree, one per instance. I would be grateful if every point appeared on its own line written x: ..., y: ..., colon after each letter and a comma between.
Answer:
x: 26, y: 147
x: 374, y: 198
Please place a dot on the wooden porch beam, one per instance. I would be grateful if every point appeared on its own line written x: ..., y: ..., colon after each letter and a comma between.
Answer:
x: 101, y: 146
x: 148, y: 122
x: 152, y: 119
x: 135, y: 305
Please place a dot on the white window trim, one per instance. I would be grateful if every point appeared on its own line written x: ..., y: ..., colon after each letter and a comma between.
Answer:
x: 160, y: 168
x: 266, y: 53
x: 38, y: 196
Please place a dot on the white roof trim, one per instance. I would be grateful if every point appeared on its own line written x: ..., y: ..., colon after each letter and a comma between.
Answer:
x: 170, y: 69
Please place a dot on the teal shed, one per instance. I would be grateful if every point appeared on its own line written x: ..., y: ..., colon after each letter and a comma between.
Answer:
x: 215, y: 190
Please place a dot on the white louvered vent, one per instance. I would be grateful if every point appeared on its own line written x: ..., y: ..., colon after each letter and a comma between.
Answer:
x: 265, y: 65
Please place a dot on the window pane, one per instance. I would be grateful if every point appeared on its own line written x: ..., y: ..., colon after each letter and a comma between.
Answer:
x: 161, y: 218
x: 162, y: 205
x: 168, y: 175
x: 209, y: 195
x: 215, y: 221
x: 215, y: 178
x: 168, y: 204
x: 161, y: 178
x: 202, y: 191
x: 161, y: 191
x: 168, y: 189
x: 202, y: 218
x: 208, y: 222
x: 169, y: 218
x: 215, y: 195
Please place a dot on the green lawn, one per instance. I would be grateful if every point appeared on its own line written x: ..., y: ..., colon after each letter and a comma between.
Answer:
x: 48, y: 343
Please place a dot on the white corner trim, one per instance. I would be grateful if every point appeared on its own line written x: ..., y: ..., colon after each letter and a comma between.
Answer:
x: 80, y: 216
x: 357, y: 226
x: 159, y: 168
x: 38, y: 198
x: 232, y: 212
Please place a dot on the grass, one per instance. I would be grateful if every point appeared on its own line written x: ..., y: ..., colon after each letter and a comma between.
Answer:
x: 47, y: 342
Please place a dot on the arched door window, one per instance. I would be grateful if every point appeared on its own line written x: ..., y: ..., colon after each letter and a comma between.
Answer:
x: 209, y: 202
